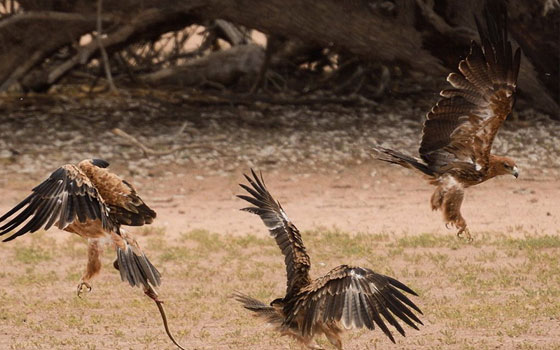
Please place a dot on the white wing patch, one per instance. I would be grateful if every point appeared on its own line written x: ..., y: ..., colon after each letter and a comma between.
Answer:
x: 478, y: 167
x: 284, y: 214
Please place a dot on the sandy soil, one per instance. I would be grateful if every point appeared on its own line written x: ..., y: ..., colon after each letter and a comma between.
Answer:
x: 368, y: 198
x: 350, y: 194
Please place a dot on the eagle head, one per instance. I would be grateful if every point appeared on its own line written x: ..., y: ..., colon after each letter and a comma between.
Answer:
x: 100, y: 163
x: 509, y: 167
x: 278, y: 302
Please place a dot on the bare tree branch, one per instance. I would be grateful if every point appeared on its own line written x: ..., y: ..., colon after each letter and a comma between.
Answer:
x: 140, y: 21
x: 102, y: 48
x: 147, y: 151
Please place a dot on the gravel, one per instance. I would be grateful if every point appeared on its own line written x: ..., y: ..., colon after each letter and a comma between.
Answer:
x: 38, y: 134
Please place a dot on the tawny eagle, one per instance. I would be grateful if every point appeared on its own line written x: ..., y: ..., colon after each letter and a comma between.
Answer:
x: 92, y: 202
x: 458, y: 132
x: 346, y: 297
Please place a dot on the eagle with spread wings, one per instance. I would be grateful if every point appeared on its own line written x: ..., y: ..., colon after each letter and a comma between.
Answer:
x: 346, y: 297
x: 458, y: 132
x: 90, y: 201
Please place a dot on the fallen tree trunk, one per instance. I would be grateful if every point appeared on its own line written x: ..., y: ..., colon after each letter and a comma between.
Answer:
x: 220, y: 68
x: 31, y: 37
x: 423, y: 35
x: 24, y: 40
x: 350, y: 25
x: 138, y: 24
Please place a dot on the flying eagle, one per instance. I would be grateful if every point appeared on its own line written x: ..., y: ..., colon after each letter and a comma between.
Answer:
x: 346, y: 297
x: 459, y: 130
x: 90, y: 201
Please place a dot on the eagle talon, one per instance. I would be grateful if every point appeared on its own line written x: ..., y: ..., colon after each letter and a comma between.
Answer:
x: 80, y: 288
x: 470, y: 238
x: 465, y: 233
x: 152, y: 294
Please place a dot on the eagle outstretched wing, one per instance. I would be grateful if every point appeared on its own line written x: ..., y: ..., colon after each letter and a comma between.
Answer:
x: 463, y: 124
x: 285, y: 233
x: 354, y: 297
x: 67, y: 195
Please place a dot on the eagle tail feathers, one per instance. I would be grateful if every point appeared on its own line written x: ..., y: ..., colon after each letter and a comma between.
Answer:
x: 136, y: 269
x: 265, y: 312
x: 394, y: 157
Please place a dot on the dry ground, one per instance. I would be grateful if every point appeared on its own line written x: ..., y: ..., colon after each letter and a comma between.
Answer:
x: 500, y: 292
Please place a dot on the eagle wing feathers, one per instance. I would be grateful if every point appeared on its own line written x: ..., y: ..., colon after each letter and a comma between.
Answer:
x: 281, y: 228
x: 355, y: 297
x: 463, y: 124
x: 127, y: 208
x: 66, y: 196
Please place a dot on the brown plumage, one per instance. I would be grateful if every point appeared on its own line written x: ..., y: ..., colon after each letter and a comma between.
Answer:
x: 88, y: 200
x: 346, y: 297
x: 459, y: 130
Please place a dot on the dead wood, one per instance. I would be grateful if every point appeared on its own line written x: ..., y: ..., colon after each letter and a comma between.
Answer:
x: 218, y: 67
x: 230, y: 32
x: 34, y: 36
x: 139, y: 23
x: 98, y: 35
x: 350, y: 25
x: 27, y: 47
x: 229, y: 99
x: 147, y: 151
x: 423, y: 35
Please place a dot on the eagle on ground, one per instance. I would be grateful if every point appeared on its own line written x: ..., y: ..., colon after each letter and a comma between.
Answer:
x: 457, y: 138
x: 92, y: 202
x: 346, y: 297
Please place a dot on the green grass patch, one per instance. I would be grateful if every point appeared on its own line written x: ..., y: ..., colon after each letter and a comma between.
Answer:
x: 428, y: 240
x: 531, y: 242
x: 497, y: 290
x: 205, y: 240
x: 31, y: 254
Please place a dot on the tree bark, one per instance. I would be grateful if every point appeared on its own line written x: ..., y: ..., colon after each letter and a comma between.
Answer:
x: 28, y: 38
x: 428, y: 36
x: 349, y: 25
x: 220, y: 68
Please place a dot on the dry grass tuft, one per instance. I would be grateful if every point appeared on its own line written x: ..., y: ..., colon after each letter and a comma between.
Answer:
x: 496, y: 293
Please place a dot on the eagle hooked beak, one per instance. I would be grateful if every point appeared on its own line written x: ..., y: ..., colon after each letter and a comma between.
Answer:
x: 277, y: 302
x: 515, y: 172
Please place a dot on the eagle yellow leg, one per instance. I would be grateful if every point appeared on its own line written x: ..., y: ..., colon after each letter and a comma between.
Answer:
x: 449, y: 200
x: 334, y: 339
x: 465, y: 233
x: 313, y: 345
x: 306, y: 342
x: 92, y: 268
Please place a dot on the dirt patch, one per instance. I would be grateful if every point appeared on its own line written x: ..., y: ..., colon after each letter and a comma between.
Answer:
x: 499, y: 292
